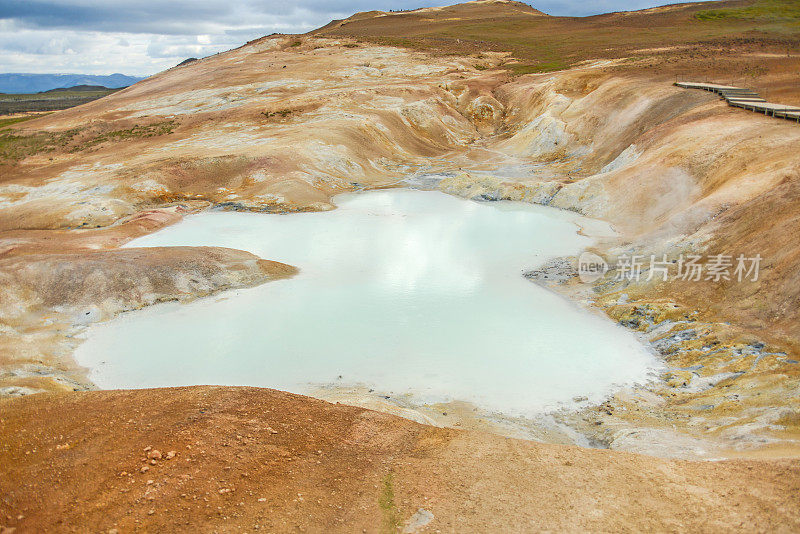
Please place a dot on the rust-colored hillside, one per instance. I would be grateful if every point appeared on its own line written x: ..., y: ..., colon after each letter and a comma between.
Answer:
x: 749, y: 42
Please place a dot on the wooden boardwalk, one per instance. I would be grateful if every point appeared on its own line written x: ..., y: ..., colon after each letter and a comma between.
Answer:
x: 747, y: 99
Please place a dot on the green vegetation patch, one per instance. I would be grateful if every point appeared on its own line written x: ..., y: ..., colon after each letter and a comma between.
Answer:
x: 15, y: 147
x: 281, y: 113
x: 391, y: 516
x: 135, y: 132
x: 762, y: 10
x: 519, y: 69
x: 14, y: 120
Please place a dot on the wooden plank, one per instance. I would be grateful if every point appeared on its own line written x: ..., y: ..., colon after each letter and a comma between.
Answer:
x: 748, y: 99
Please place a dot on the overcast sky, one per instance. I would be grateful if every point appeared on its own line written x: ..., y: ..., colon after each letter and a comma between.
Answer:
x: 141, y: 37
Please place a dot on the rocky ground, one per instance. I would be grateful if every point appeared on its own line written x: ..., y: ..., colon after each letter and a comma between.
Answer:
x: 283, y: 124
x: 244, y: 459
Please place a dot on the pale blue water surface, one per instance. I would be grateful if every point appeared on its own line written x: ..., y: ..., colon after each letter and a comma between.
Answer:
x: 407, y: 292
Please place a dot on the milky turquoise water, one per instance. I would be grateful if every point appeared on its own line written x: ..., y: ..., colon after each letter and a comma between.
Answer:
x: 406, y: 292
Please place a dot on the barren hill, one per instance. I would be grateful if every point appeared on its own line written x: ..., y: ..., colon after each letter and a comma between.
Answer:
x: 750, y: 41
x: 477, y: 10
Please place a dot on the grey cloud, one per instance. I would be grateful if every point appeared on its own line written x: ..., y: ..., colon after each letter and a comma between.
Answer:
x: 179, y: 17
x: 144, y: 36
x: 191, y: 17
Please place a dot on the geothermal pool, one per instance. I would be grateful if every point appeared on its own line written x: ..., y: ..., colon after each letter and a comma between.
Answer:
x: 408, y: 292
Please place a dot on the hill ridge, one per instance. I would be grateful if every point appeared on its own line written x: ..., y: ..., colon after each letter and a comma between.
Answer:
x: 516, y: 8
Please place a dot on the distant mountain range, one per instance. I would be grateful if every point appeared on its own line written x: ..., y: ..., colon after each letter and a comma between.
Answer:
x: 14, y: 82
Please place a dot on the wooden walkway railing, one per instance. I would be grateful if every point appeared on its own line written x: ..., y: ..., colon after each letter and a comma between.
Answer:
x: 747, y: 99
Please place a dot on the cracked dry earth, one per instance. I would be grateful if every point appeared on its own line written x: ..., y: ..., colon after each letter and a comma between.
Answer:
x: 283, y: 124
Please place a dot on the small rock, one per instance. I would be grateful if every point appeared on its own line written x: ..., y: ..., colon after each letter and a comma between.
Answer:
x: 418, y: 521
x: 144, y: 469
x: 154, y: 455
x: 262, y: 499
x: 170, y: 455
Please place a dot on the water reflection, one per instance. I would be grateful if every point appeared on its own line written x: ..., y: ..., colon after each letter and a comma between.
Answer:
x: 405, y: 291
